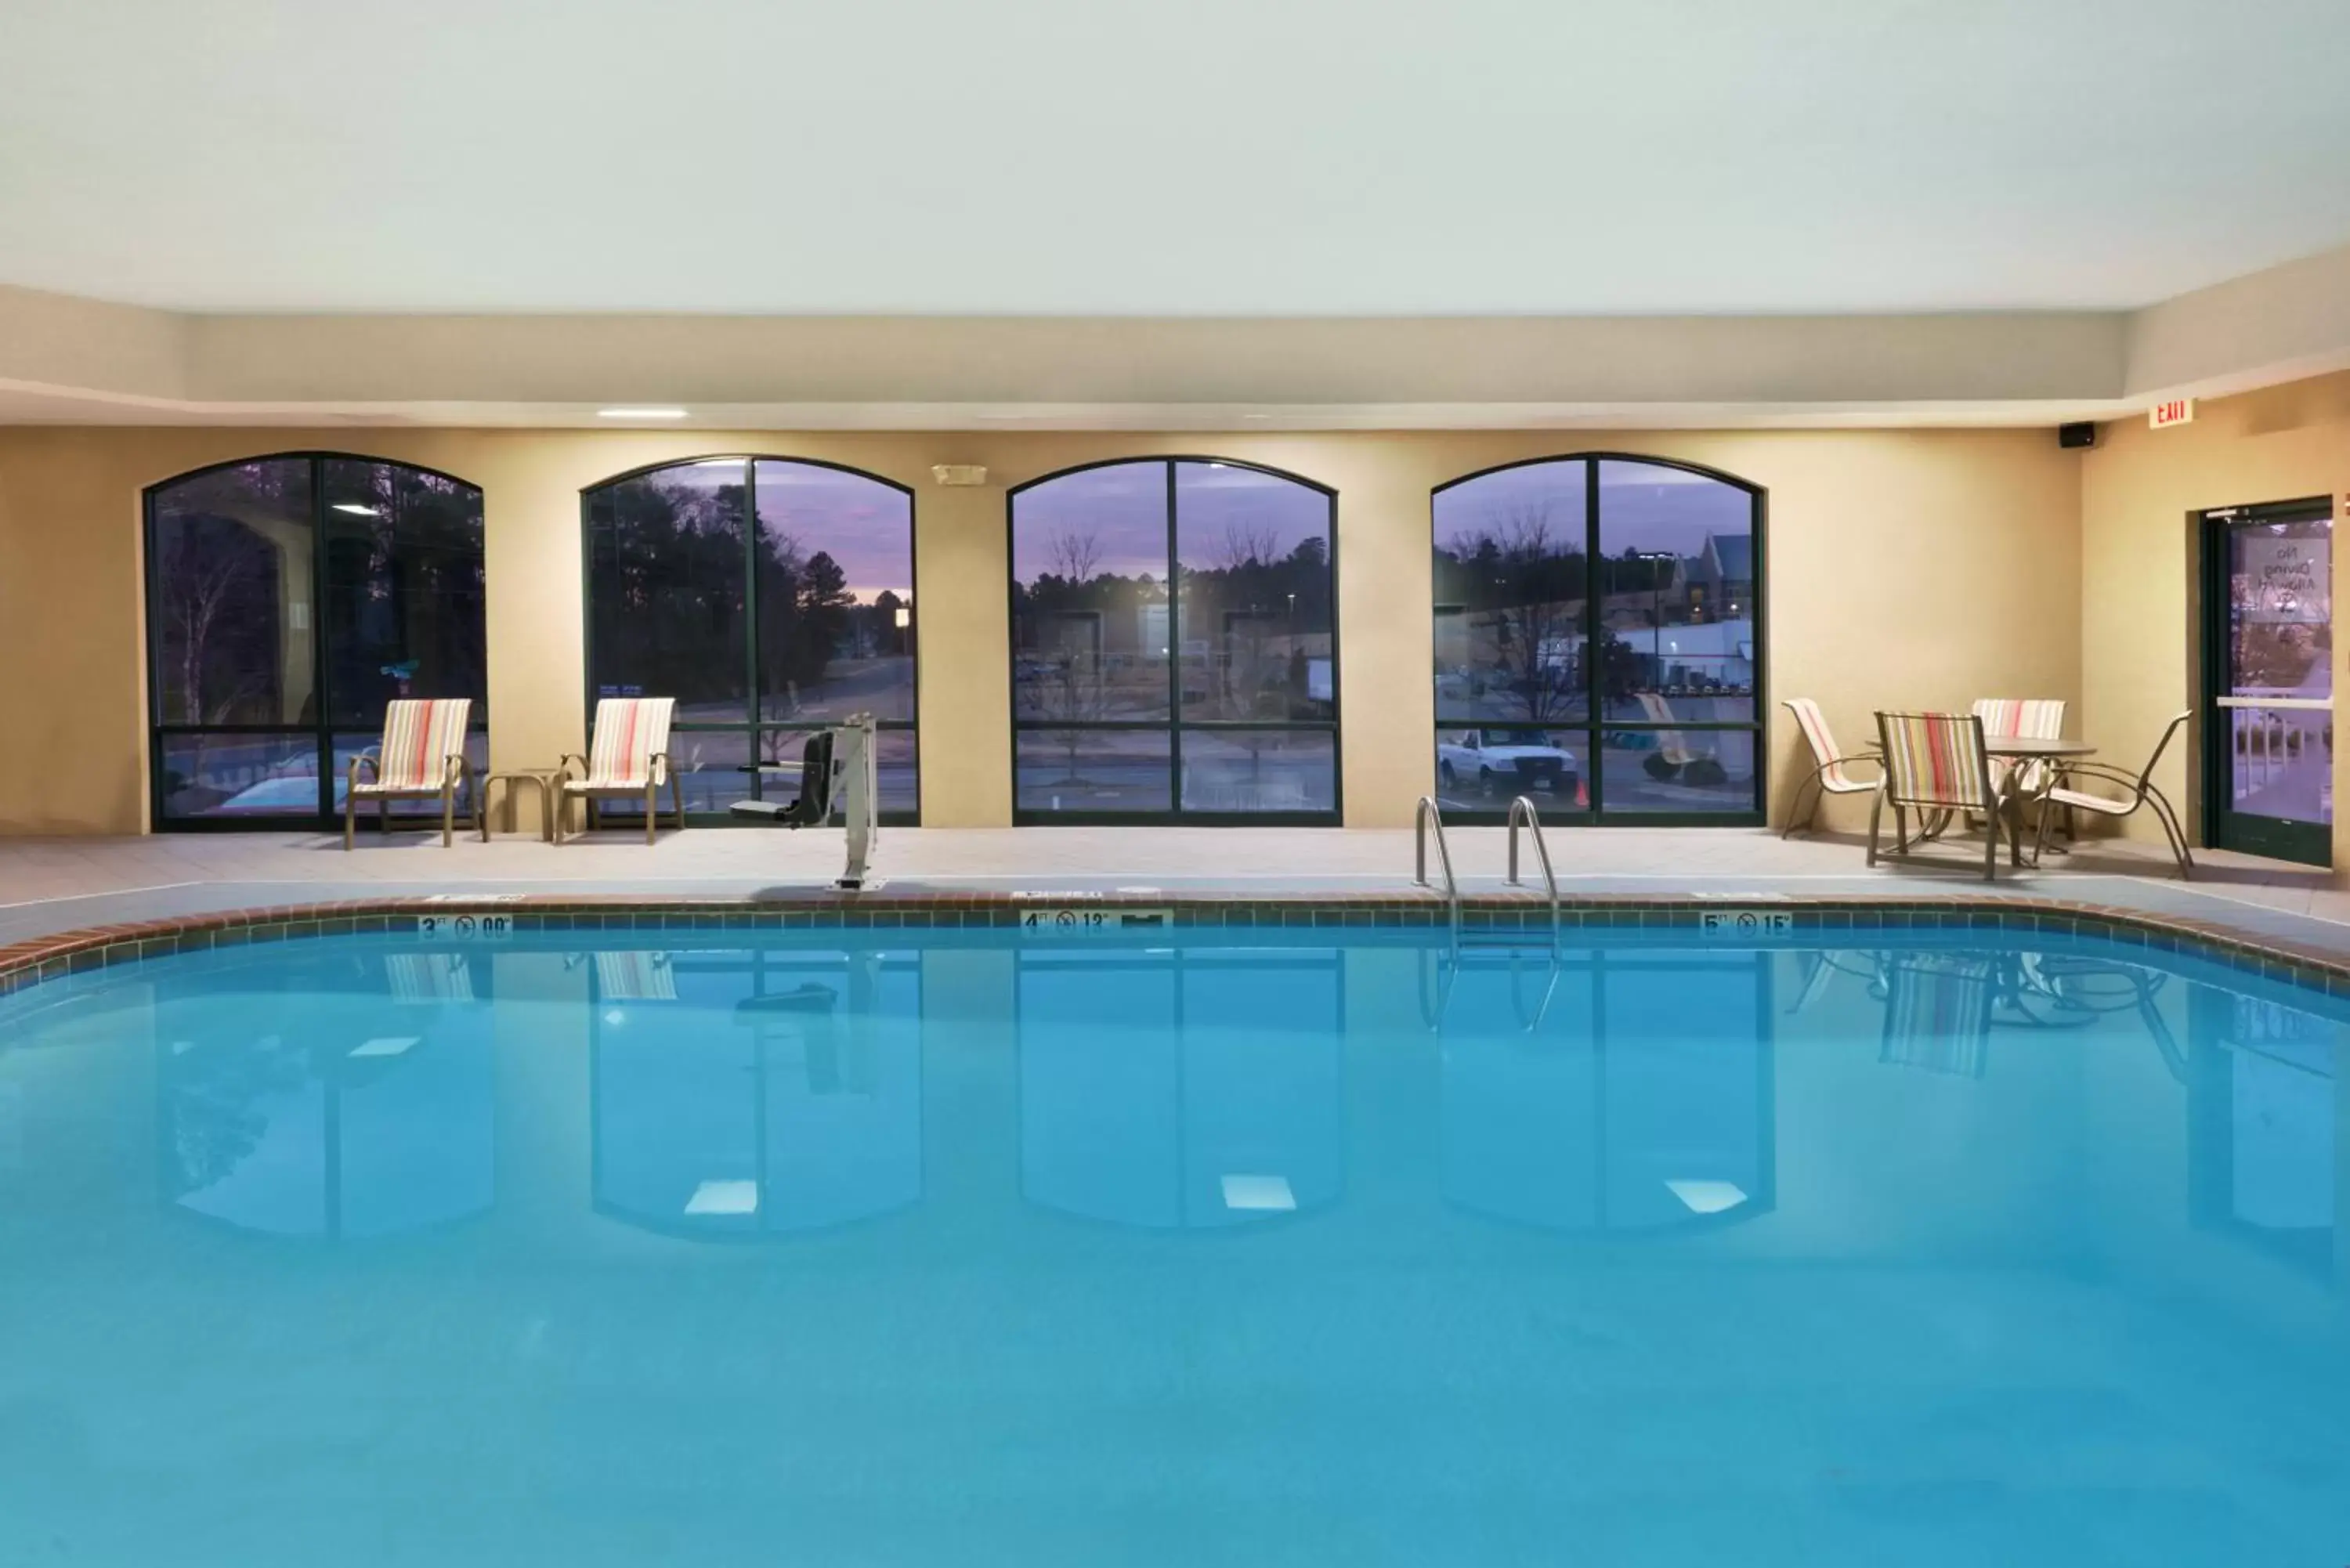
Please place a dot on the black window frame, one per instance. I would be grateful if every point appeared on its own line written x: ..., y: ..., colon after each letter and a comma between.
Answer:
x: 322, y: 728
x: 1174, y: 724
x: 1595, y: 721
x: 756, y: 728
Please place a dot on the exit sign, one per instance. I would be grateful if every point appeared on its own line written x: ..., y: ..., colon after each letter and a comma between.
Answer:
x: 2176, y: 411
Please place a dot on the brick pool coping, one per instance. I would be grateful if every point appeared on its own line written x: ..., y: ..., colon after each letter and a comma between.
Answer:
x: 28, y: 963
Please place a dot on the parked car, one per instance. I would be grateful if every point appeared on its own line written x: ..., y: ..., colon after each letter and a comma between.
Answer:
x: 1504, y: 760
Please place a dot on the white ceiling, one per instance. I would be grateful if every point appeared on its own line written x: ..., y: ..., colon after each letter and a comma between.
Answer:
x: 1240, y: 157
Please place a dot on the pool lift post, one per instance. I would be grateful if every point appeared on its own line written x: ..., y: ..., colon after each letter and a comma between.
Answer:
x: 838, y: 764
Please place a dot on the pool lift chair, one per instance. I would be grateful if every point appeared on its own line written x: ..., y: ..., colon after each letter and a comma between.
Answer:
x: 836, y: 767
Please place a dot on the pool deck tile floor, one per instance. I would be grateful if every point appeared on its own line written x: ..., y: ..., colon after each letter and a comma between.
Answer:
x: 53, y: 885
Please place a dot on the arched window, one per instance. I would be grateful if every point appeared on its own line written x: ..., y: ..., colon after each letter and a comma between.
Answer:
x: 1222, y: 706
x: 288, y: 599
x: 1599, y: 642
x: 771, y: 596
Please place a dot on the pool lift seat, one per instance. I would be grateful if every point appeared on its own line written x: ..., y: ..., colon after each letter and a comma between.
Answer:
x: 836, y: 767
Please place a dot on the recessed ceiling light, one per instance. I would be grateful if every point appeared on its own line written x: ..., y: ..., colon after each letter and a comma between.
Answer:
x: 1257, y: 416
x: 718, y: 462
x: 640, y: 413
x: 355, y: 509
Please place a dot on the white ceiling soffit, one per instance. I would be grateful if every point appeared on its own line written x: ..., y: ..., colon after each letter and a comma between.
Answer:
x: 22, y: 405
x: 75, y: 361
x: 1216, y: 158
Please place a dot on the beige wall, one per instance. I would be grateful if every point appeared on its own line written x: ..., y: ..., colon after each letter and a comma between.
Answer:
x: 2140, y: 487
x: 1905, y: 567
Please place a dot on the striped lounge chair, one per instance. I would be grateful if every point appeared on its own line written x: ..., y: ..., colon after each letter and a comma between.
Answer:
x: 2039, y: 717
x: 1934, y: 765
x: 421, y: 757
x: 1831, y: 774
x: 628, y: 755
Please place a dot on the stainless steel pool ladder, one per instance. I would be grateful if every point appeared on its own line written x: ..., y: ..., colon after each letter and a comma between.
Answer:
x: 1522, y: 810
x: 1426, y: 813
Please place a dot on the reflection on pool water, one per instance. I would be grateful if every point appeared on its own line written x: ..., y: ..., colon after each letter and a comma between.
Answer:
x: 910, y: 1247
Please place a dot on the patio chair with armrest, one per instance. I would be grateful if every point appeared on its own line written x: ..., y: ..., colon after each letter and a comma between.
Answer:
x: 626, y: 756
x: 421, y: 757
x: 2139, y: 792
x: 1831, y: 774
x: 1934, y: 766
x: 2042, y: 718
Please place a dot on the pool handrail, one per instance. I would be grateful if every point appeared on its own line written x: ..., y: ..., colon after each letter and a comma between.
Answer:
x: 1424, y: 814
x: 1521, y: 809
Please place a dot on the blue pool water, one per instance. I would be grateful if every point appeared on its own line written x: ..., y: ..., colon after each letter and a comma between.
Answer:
x: 886, y: 1247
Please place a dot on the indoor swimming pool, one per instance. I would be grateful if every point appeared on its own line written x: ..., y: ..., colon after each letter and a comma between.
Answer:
x: 1251, y: 1246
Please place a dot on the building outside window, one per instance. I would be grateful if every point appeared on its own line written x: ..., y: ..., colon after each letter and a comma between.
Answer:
x: 1174, y: 644
x: 1598, y: 643
x: 770, y: 597
x: 290, y: 598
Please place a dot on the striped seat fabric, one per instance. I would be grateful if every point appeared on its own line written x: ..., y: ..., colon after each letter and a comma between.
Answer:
x: 627, y: 755
x: 2042, y: 718
x: 421, y: 756
x: 1832, y: 768
x: 1934, y: 766
x: 1833, y: 776
x: 420, y: 736
x: 1935, y: 761
x: 631, y: 745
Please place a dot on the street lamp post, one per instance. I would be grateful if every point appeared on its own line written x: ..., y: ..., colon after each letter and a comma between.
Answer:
x: 1656, y: 608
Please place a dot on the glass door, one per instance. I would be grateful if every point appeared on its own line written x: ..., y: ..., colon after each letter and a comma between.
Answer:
x: 2269, y: 684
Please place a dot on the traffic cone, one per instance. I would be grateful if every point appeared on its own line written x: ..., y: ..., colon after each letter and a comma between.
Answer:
x: 1581, y: 795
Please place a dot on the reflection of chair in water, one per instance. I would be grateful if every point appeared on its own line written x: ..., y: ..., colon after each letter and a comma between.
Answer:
x: 1822, y: 967
x: 632, y: 974
x: 415, y: 979
x: 1937, y: 1010
x: 1677, y: 757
